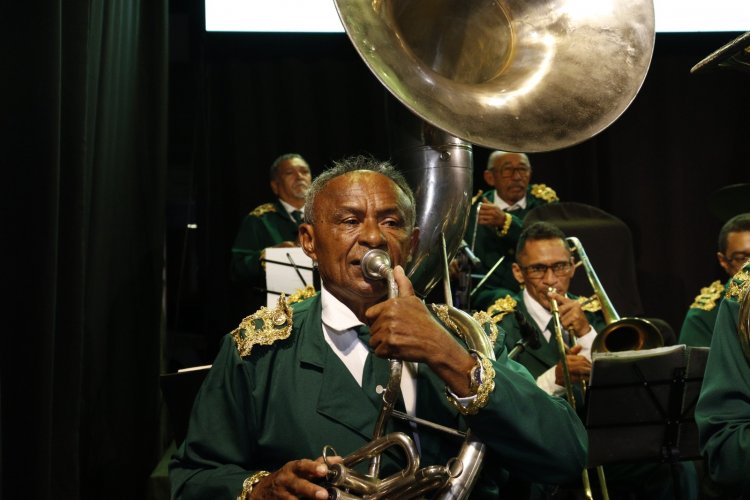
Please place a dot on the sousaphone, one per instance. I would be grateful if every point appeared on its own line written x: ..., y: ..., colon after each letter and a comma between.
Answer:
x: 517, y: 75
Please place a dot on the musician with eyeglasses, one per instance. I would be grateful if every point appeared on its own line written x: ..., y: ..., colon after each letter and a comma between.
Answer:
x: 496, y: 220
x: 293, y: 381
x: 733, y: 253
x: 544, y: 268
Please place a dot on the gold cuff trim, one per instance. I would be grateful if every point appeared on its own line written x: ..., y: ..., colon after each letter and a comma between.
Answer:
x: 506, y: 225
x: 483, y: 391
x: 249, y: 483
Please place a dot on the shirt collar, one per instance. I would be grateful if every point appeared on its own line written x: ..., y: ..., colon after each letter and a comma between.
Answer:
x: 289, y: 208
x: 520, y: 204
x: 538, y: 313
x: 335, y: 314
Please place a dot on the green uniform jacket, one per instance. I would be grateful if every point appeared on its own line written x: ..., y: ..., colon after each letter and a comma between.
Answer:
x: 266, y: 226
x: 489, y: 246
x: 652, y: 481
x: 698, y: 326
x: 723, y: 409
x: 288, y: 400
x: 538, y: 361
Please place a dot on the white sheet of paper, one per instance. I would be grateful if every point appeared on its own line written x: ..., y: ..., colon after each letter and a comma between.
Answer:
x: 281, y: 276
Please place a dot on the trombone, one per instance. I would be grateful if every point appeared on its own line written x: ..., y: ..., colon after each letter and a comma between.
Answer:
x: 620, y: 334
x: 563, y: 350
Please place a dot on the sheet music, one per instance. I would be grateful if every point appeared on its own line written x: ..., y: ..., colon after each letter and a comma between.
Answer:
x: 282, y: 276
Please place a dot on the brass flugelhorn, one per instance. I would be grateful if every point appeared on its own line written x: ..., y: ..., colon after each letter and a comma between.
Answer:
x: 456, y: 479
x: 620, y: 334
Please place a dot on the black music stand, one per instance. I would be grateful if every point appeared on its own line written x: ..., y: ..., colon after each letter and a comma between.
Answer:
x: 640, y: 407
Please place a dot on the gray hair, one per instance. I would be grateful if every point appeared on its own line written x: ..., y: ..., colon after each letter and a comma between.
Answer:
x: 353, y: 164
x: 278, y: 161
x: 737, y: 224
x: 498, y: 154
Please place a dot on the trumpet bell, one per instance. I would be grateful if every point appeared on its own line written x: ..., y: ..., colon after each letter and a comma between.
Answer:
x: 628, y: 334
x: 507, y: 74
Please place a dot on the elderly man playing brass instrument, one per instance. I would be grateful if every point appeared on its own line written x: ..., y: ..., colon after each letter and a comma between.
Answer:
x: 286, y: 384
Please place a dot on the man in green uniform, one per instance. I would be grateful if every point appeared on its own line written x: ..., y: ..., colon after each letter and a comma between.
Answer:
x: 272, y: 224
x: 544, y: 268
x: 723, y: 409
x: 496, y: 221
x: 287, y: 383
x: 734, y: 251
x: 544, y: 262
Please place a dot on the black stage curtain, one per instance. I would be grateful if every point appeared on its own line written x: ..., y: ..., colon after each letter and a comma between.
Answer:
x: 260, y: 95
x: 85, y: 120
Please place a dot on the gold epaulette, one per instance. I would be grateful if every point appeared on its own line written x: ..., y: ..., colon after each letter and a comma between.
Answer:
x: 264, y: 327
x: 263, y: 209
x: 544, y: 192
x: 301, y: 294
x: 709, y: 296
x: 590, y: 304
x: 739, y: 283
x: 502, y: 307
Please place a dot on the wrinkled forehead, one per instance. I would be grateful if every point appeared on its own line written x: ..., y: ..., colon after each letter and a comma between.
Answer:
x: 544, y: 251
x: 361, y: 186
x: 510, y: 160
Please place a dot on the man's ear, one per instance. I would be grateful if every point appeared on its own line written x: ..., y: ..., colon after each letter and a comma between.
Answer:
x: 517, y: 273
x: 723, y: 262
x: 307, y: 240
x: 275, y: 187
x: 414, y: 242
x: 489, y: 178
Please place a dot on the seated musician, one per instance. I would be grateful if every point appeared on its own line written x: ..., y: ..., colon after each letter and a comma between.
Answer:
x: 494, y: 230
x: 544, y: 268
x: 734, y: 251
x: 287, y: 383
x: 723, y: 409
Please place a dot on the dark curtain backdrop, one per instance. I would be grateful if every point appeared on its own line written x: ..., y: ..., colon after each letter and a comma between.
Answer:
x: 252, y: 97
x: 84, y: 156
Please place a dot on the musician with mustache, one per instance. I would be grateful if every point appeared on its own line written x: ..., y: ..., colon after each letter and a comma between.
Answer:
x: 272, y: 224
x: 290, y: 381
x: 494, y: 228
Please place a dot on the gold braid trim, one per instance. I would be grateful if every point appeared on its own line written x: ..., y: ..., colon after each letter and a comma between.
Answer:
x: 249, y: 483
x: 263, y: 209
x: 483, y: 318
x: 483, y: 391
x: 502, y: 307
x: 441, y: 311
x: 544, y: 192
x: 709, y: 296
x: 301, y: 294
x: 739, y: 284
x: 275, y: 324
x: 506, y: 225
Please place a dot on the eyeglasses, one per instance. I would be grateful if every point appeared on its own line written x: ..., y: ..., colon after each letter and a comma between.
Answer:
x: 738, y: 258
x: 513, y: 171
x: 537, y: 271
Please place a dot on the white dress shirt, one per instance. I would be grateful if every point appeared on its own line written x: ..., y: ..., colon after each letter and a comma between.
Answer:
x: 509, y: 208
x: 541, y: 316
x: 339, y: 328
x: 289, y: 209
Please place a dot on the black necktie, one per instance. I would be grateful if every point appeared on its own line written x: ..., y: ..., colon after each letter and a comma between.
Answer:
x: 551, y: 328
x: 297, y: 216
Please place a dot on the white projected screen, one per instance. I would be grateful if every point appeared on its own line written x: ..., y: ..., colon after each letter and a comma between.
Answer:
x: 319, y: 16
